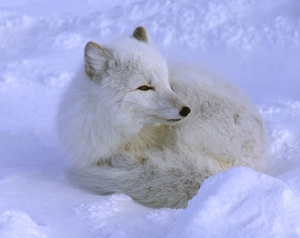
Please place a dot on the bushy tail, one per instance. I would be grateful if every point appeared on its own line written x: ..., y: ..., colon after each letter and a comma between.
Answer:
x: 147, y: 184
x: 102, y: 179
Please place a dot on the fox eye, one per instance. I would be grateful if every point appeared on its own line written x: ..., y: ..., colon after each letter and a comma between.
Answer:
x: 145, y: 88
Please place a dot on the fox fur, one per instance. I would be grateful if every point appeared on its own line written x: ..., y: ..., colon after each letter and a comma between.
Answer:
x: 132, y: 123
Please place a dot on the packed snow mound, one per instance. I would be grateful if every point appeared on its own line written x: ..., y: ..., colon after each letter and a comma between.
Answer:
x: 16, y: 224
x: 241, y: 203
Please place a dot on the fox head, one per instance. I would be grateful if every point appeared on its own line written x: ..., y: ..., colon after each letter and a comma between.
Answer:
x: 131, y: 79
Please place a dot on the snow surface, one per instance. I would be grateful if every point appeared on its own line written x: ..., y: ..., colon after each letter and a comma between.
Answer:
x: 254, y: 43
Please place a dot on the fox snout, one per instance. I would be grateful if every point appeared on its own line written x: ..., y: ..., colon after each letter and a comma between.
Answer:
x: 181, y: 111
x: 185, y: 111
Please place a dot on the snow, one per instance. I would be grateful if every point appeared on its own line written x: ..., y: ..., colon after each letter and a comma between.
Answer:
x: 276, y: 215
x: 255, y: 44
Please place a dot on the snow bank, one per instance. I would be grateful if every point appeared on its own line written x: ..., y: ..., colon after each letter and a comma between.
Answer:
x: 16, y: 224
x: 241, y: 203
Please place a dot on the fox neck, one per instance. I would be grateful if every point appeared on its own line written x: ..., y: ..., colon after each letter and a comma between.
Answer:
x: 148, y: 136
x: 134, y: 146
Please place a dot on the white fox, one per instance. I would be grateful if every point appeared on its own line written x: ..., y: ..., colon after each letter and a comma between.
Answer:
x: 132, y: 124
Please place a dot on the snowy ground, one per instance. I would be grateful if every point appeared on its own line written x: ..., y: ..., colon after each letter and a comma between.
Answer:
x: 254, y: 43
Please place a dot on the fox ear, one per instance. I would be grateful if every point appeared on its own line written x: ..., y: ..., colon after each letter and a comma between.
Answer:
x: 95, y: 59
x: 140, y: 34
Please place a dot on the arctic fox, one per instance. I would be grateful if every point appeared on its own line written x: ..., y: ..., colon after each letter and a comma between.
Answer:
x: 132, y: 124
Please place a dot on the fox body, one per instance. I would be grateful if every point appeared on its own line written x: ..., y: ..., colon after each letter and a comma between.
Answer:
x: 133, y: 124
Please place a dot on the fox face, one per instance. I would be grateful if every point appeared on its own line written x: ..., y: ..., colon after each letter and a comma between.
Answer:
x: 153, y: 104
x: 134, y: 76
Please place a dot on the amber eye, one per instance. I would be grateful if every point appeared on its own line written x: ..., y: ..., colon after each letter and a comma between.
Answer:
x: 145, y: 88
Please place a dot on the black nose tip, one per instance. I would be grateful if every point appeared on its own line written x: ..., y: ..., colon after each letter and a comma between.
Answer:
x: 185, y: 111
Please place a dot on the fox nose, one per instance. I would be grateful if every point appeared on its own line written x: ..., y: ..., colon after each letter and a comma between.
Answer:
x: 184, y: 111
